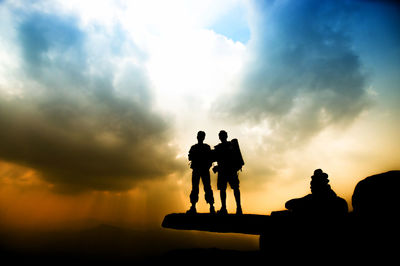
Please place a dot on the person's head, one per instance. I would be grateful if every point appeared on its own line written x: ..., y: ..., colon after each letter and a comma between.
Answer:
x: 201, y: 135
x: 223, y: 136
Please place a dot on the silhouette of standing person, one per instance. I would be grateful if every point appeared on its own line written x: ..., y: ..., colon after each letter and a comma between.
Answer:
x: 201, y: 161
x: 225, y: 153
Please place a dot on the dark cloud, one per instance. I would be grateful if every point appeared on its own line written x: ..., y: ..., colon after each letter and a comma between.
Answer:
x: 303, y: 74
x: 392, y: 2
x: 84, y: 119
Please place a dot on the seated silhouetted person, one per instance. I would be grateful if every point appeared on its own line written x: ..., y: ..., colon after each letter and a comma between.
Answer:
x: 322, y: 201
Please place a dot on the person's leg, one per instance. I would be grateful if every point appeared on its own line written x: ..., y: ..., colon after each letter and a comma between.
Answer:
x: 194, y: 194
x: 234, y: 183
x: 208, y: 193
x: 222, y: 185
x: 236, y: 193
x: 222, y: 194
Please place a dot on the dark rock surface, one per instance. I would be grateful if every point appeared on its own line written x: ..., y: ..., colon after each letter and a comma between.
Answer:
x: 230, y: 223
x: 377, y: 195
x: 369, y: 232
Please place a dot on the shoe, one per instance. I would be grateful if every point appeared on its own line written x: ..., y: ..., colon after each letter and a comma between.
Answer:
x: 222, y: 211
x: 212, y: 209
x: 192, y: 210
x: 239, y: 211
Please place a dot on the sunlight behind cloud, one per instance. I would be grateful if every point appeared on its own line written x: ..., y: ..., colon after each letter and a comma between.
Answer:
x: 199, y: 64
x: 100, y: 101
x: 185, y: 58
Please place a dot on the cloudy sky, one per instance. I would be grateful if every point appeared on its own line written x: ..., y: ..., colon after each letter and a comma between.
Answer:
x: 100, y: 102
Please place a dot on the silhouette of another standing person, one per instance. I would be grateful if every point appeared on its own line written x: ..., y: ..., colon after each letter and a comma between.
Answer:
x: 227, y: 154
x: 201, y: 161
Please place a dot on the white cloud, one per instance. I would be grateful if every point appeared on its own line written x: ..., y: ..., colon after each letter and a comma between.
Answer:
x: 198, y: 63
x: 115, y: 70
x: 184, y: 58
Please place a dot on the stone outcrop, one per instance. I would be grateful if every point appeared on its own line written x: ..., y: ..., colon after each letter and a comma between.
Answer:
x: 377, y: 195
x: 371, y: 228
x: 252, y: 224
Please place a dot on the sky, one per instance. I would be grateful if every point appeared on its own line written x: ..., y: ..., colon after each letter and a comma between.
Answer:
x: 100, y: 102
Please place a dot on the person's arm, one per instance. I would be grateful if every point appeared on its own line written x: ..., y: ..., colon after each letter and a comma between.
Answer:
x: 190, y: 155
x: 214, y: 158
x: 212, y: 155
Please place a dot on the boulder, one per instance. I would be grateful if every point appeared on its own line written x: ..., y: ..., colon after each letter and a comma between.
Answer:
x: 377, y: 196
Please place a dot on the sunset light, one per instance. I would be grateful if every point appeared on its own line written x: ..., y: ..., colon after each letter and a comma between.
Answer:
x: 100, y: 102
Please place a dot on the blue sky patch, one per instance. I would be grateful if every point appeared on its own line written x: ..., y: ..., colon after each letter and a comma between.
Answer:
x: 233, y: 24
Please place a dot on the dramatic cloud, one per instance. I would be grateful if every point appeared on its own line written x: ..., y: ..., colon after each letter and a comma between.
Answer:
x: 83, y: 115
x: 105, y: 98
x: 302, y: 74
